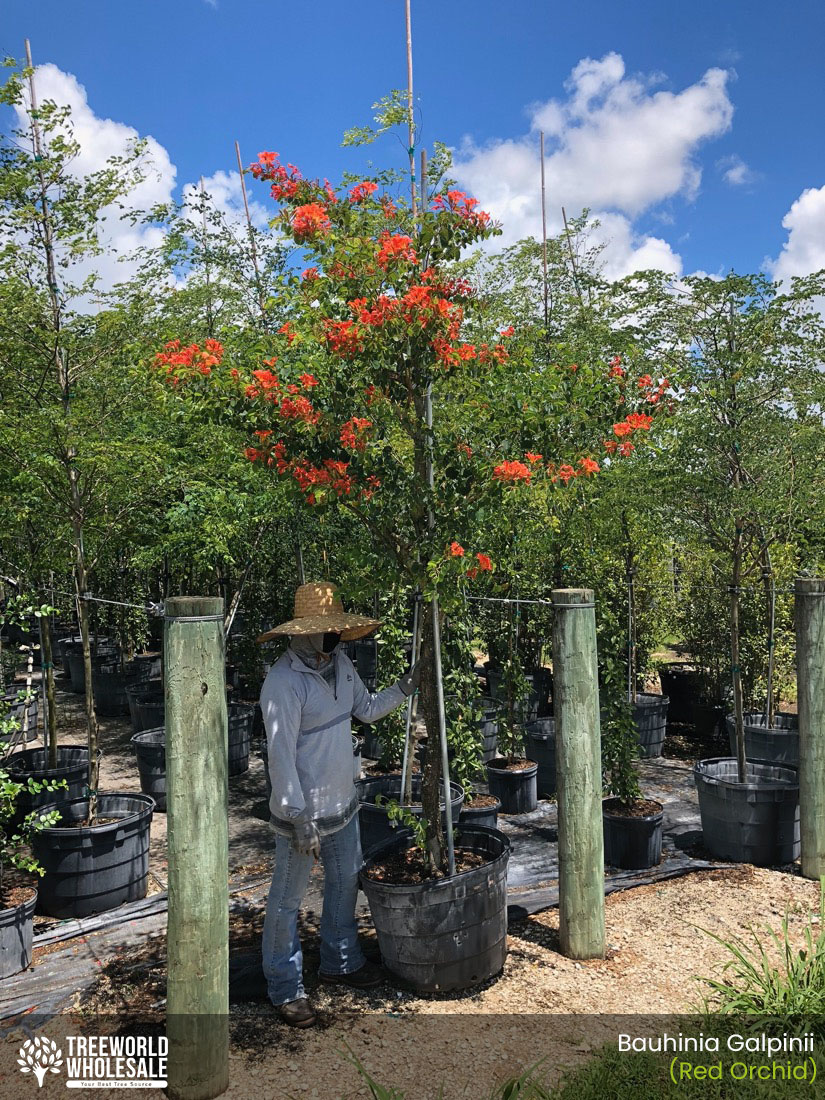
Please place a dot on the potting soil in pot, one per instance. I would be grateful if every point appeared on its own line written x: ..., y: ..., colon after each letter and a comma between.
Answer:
x: 410, y: 866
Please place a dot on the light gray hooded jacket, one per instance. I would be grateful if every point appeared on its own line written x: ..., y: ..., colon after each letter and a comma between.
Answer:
x: 309, y: 738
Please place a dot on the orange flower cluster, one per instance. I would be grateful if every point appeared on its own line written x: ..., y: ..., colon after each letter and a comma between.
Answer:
x: 291, y: 405
x: 457, y: 202
x: 362, y: 191
x: 308, y: 221
x: 353, y: 433
x: 332, y: 474
x: 633, y: 422
x: 286, y: 180
x: 183, y: 363
x: 274, y: 455
x: 395, y: 248
x: 512, y: 471
x: 456, y: 550
x: 344, y: 338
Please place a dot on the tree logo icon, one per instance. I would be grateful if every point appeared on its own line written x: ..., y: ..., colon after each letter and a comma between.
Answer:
x: 40, y: 1056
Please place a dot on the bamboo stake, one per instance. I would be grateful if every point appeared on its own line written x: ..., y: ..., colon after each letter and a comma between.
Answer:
x: 251, y: 231
x: 810, y: 666
x: 410, y: 118
x: 579, y: 774
x: 543, y: 231
x: 198, y: 922
x: 439, y: 681
x: 209, y: 318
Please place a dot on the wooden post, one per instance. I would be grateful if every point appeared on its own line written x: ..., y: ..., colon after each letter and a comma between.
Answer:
x: 810, y: 669
x: 196, y: 798
x: 578, y: 774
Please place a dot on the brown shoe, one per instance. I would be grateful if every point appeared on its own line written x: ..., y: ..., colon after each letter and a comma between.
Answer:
x: 297, y: 1013
x: 366, y: 977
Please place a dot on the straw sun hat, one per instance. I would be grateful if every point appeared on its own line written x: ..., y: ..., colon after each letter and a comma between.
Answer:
x: 318, y: 610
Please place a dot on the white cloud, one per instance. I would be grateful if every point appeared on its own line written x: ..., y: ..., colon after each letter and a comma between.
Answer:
x: 804, y: 250
x: 626, y: 251
x: 99, y: 139
x: 223, y: 191
x: 736, y: 172
x: 614, y: 145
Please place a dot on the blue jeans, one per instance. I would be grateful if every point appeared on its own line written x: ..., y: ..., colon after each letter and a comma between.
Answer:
x: 340, y: 950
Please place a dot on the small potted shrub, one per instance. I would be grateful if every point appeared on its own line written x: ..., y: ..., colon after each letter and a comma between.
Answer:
x: 511, y: 778
x: 18, y: 894
x: 632, y: 823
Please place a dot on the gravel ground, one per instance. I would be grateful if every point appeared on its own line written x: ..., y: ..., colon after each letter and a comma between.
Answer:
x: 542, y: 1006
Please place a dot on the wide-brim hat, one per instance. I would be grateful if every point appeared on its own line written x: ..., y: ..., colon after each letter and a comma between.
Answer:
x: 318, y: 610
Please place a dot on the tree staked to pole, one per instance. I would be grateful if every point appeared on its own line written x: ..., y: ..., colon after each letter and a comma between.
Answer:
x: 198, y: 922
x: 810, y: 668
x: 578, y: 774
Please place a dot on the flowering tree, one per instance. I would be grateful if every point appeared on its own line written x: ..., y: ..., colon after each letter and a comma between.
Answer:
x: 377, y: 321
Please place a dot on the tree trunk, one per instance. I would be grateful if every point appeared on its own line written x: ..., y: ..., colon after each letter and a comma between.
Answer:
x: 51, y: 704
x: 736, y: 672
x: 93, y: 732
x: 769, y: 583
x: 431, y: 786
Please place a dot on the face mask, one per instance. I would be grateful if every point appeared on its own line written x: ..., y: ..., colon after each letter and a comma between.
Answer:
x: 330, y: 642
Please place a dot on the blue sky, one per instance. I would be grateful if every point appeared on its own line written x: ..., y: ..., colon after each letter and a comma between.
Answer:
x: 693, y: 130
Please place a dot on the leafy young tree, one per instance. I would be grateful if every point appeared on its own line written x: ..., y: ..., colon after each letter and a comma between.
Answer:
x: 752, y: 393
x: 68, y: 439
x: 340, y: 409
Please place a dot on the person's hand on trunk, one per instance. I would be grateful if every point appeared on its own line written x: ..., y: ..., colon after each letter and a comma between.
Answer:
x: 410, y: 680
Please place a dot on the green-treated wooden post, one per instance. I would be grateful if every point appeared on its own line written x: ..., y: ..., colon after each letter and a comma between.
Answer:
x: 578, y: 774
x: 810, y: 677
x: 197, y: 1003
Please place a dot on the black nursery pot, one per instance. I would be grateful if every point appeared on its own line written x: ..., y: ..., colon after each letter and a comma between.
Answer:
x: 374, y: 821
x: 682, y: 684
x: 540, y: 745
x: 752, y: 822
x: 776, y: 744
x: 631, y: 843
x: 241, y: 718
x: 650, y: 718
x: 487, y: 816
x: 150, y: 751
x: 90, y: 869
x: 448, y: 933
x: 16, y: 933
x: 12, y: 708
x: 72, y: 765
x: 516, y: 790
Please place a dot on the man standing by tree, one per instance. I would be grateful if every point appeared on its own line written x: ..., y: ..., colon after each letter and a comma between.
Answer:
x: 308, y: 699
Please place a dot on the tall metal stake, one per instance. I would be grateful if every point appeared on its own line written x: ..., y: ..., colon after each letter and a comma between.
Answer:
x: 197, y: 1012
x: 406, y: 794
